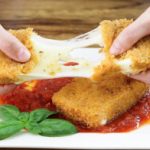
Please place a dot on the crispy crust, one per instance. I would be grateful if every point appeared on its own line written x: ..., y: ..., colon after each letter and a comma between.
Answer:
x: 9, y: 69
x: 139, y: 53
x: 106, y: 69
x: 111, y: 29
x: 92, y: 104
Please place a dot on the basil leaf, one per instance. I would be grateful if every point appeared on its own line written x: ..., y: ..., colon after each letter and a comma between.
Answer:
x: 33, y: 127
x: 40, y: 114
x: 24, y: 117
x: 9, y: 128
x: 56, y: 127
x: 9, y: 112
x: 35, y: 122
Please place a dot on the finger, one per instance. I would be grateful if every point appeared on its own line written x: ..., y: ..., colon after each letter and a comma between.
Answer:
x: 6, y: 88
x: 133, y: 33
x: 144, y: 77
x: 12, y: 47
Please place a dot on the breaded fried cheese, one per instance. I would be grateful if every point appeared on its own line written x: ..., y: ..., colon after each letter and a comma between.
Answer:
x: 10, y: 69
x: 135, y: 60
x: 94, y: 104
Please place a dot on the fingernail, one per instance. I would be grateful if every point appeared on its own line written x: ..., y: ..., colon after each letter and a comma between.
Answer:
x: 24, y: 55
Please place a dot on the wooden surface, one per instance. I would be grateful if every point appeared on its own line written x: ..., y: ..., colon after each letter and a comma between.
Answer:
x: 66, y: 18
x: 62, y: 19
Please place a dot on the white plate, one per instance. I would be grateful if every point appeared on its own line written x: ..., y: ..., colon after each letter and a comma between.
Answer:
x: 138, y: 139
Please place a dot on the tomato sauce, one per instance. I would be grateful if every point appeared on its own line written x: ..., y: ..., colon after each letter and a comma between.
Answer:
x: 130, y: 120
x: 71, y: 64
x: 38, y: 94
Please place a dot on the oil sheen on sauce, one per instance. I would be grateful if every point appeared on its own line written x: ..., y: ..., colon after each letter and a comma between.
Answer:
x: 38, y: 94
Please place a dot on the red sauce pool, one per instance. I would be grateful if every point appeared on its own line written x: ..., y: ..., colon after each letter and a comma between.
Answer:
x: 40, y: 97
x: 132, y: 119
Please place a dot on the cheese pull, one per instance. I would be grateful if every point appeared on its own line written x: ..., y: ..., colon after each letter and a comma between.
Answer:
x: 86, y: 56
x: 134, y: 61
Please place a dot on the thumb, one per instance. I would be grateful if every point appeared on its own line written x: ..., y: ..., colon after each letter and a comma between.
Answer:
x: 12, y: 47
x: 130, y: 35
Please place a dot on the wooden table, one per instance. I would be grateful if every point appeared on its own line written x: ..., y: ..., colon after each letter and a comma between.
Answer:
x: 66, y: 18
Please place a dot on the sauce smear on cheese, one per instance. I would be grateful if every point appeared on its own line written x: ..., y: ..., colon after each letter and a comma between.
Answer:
x: 38, y: 94
x: 71, y: 64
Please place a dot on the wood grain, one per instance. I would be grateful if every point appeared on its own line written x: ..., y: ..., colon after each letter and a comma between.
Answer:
x: 63, y: 19
x: 66, y: 18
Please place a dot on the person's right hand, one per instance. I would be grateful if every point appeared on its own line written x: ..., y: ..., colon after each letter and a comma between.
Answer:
x: 129, y: 36
x: 14, y: 49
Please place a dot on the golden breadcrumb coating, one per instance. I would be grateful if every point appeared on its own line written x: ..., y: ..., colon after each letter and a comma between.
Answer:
x: 111, y: 29
x: 9, y: 69
x: 139, y: 53
x: 94, y: 104
x: 106, y: 69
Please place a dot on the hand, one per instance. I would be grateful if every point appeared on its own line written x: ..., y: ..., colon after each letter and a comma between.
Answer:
x: 14, y: 49
x: 129, y: 36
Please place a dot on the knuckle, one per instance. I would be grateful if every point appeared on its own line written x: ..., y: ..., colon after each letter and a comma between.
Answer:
x: 125, y: 41
x: 10, y: 49
x: 120, y: 43
x: 129, y: 37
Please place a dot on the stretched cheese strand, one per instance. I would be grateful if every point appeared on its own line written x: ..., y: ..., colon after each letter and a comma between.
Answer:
x: 91, y: 62
x: 53, y: 54
x: 49, y: 57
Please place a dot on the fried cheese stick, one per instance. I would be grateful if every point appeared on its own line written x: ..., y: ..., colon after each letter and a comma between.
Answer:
x: 94, y: 104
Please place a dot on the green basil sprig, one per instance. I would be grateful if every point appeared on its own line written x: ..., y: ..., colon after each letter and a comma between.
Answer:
x: 36, y: 122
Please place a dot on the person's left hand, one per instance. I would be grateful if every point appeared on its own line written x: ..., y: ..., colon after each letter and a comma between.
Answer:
x: 14, y: 49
